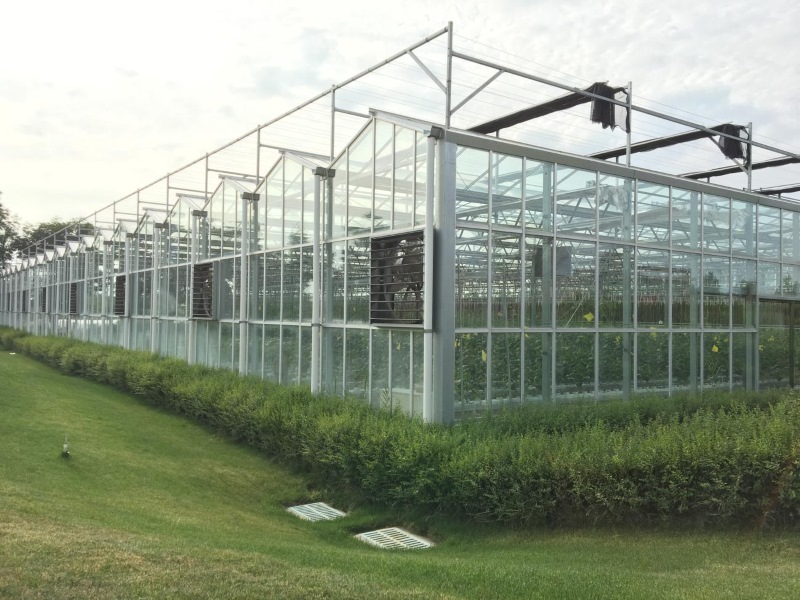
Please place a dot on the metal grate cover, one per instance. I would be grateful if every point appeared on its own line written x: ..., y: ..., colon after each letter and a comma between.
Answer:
x: 317, y: 511
x: 394, y: 537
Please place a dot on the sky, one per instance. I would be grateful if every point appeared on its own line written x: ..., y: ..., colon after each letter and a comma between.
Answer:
x: 98, y: 99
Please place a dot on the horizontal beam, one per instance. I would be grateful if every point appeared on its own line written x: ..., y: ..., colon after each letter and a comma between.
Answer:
x: 767, y: 164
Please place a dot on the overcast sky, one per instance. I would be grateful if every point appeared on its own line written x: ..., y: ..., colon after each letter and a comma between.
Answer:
x: 100, y: 98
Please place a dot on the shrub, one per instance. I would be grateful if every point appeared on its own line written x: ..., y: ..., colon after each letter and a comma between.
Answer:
x: 716, y: 458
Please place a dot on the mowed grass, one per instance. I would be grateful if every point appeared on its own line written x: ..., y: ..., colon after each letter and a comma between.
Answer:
x: 152, y: 506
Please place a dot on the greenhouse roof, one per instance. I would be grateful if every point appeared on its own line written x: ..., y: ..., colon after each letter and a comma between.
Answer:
x: 458, y: 87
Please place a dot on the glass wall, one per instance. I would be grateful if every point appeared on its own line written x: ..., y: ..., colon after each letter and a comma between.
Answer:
x: 572, y: 278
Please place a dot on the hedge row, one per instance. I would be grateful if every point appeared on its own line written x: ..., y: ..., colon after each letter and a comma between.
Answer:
x: 735, y: 462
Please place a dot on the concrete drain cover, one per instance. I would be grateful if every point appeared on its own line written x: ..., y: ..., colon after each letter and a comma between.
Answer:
x: 394, y: 537
x: 317, y: 511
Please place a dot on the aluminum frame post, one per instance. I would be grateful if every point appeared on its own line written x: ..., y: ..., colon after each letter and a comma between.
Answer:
x: 316, y: 284
x: 428, y: 409
x: 244, y: 274
x: 443, y: 394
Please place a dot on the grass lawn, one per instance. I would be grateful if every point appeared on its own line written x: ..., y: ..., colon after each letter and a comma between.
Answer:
x: 152, y: 506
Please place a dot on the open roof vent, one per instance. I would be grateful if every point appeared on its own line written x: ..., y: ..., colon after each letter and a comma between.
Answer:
x: 396, y: 279
x: 317, y: 511
x: 394, y: 537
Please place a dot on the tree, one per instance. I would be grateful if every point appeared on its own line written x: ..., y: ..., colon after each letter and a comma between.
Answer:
x: 9, y: 230
x: 50, y: 234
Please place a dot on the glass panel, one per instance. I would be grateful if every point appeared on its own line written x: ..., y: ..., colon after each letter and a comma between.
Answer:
x: 225, y: 287
x: 291, y: 285
x: 790, y: 280
x: 616, y: 286
x: 357, y: 363
x: 615, y: 207
x: 384, y: 169
x: 685, y: 218
x: 212, y: 345
x: 401, y: 371
x: 538, y: 354
x: 652, y: 366
x: 332, y: 363
x: 576, y: 203
x: 743, y: 234
x: 575, y: 284
x: 255, y: 349
x: 774, y: 344
x: 292, y: 203
x: 360, y: 184
x: 506, y: 357
x: 615, y: 363
x: 418, y: 378
x: 472, y: 185
x: 716, y: 347
x: 769, y: 275
x: 229, y: 345
x: 289, y: 354
x: 744, y: 360
x: 769, y: 232
x: 538, y: 195
x: 716, y: 223
x: 272, y: 352
x: 652, y: 273
x: 472, y: 279
x: 273, y: 263
x: 470, y: 382
x: 506, y: 189
x: 685, y: 290
x: 308, y: 205
x: 230, y: 228
x: 574, y: 364
x: 652, y: 213
x: 336, y: 206
x: 539, y: 284
x: 257, y: 232
x: 506, y: 277
x: 273, y: 204
x: 307, y: 290
x: 685, y: 362
x: 305, y: 355
x: 790, y: 235
x: 358, y: 280
x: 380, y: 394
x: 716, y: 290
x: 333, y: 292
x: 743, y: 279
x: 404, y: 145
x: 256, y: 287
x: 420, y: 177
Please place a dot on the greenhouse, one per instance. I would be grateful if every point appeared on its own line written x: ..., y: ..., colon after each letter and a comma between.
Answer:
x: 430, y: 251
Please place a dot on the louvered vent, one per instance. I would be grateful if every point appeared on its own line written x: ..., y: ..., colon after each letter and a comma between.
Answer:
x: 120, y: 286
x: 316, y: 511
x: 43, y: 301
x: 396, y: 279
x: 73, y: 298
x: 203, y: 291
x: 394, y: 538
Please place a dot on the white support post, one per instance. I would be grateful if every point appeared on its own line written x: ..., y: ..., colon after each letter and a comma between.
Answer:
x: 316, y: 282
x: 244, y: 273
x: 126, y: 319
x: 191, y: 324
x: 428, y: 413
